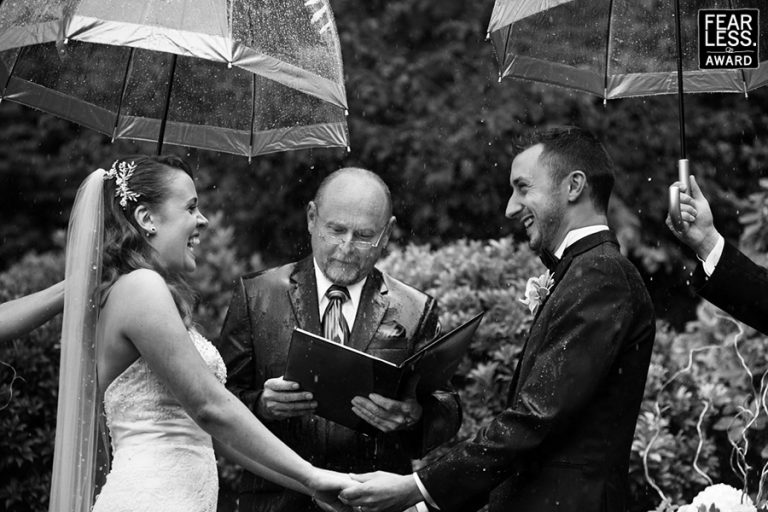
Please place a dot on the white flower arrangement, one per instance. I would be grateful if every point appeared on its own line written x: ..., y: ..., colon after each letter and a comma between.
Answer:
x: 723, y: 498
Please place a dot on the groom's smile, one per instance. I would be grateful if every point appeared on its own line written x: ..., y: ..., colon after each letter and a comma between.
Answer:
x: 534, y: 199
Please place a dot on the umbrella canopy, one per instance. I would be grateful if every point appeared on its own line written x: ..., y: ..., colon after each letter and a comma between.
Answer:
x: 614, y: 48
x: 241, y: 76
x: 619, y: 49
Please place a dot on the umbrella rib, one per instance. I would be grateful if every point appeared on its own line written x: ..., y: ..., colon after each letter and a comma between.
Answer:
x: 607, y: 51
x: 128, y: 68
x: 506, y: 46
x: 10, y: 72
x: 164, y: 119
x: 253, y: 115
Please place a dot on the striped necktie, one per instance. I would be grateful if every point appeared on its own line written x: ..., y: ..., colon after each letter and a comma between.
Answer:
x: 334, y: 324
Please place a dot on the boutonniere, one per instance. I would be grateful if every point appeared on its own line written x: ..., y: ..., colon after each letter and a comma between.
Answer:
x: 537, y: 289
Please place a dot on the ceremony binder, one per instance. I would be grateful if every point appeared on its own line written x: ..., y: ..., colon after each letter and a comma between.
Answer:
x: 335, y: 373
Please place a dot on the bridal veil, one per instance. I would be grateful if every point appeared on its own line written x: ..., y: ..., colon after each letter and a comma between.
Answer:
x: 79, y: 422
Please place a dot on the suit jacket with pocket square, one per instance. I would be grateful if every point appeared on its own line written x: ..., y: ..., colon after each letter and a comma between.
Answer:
x: 393, y: 320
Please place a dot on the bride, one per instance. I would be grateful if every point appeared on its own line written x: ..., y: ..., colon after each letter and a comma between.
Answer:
x: 129, y: 346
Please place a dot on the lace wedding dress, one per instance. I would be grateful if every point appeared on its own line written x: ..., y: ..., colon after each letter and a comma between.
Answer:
x: 161, y: 459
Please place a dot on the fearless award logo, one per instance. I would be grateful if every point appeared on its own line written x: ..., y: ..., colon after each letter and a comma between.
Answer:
x: 728, y: 38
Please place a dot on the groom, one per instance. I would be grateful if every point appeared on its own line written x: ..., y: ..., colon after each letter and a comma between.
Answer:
x: 563, y: 443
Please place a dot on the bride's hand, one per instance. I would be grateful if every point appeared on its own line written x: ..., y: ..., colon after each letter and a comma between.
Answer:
x: 326, y: 480
x: 326, y: 486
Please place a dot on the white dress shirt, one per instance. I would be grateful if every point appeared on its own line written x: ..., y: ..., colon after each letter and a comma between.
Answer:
x: 713, y: 258
x: 577, y: 234
x: 349, y: 308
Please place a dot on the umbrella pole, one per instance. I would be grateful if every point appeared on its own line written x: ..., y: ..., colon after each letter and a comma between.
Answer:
x: 164, y: 120
x: 680, y: 91
x: 682, y: 164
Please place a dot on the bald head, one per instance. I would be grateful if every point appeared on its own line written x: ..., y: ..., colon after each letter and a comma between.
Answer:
x: 356, y: 182
x: 349, y: 220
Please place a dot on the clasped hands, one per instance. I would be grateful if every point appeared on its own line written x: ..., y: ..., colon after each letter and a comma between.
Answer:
x: 373, y: 492
x: 282, y: 399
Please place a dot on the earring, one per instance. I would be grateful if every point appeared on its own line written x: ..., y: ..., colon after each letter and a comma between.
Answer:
x: 150, y: 232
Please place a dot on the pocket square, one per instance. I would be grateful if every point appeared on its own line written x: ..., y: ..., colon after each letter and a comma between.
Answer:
x: 391, y: 330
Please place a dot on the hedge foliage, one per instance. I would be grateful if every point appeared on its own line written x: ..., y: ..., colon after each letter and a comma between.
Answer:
x: 29, y: 369
x: 696, y: 366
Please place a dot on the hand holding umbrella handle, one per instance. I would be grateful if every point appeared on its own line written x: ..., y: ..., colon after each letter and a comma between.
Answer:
x: 674, y: 194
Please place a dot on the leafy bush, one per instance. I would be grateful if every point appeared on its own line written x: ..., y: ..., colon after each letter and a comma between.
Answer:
x: 29, y: 370
x: 467, y: 277
x: 705, y: 395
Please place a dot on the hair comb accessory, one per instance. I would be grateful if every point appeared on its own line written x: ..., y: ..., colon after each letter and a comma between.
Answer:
x: 121, y: 173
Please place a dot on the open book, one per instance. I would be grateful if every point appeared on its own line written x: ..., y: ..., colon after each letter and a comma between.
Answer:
x: 336, y: 373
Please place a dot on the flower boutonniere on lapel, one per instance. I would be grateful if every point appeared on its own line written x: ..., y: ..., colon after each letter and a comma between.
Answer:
x: 537, y: 289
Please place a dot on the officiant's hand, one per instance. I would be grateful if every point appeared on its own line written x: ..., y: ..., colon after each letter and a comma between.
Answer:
x: 386, y: 414
x: 283, y: 399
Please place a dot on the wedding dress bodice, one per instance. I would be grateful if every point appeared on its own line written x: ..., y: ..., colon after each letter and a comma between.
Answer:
x: 161, y: 459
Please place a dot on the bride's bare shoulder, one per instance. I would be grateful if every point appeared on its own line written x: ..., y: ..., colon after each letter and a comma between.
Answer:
x: 139, y: 286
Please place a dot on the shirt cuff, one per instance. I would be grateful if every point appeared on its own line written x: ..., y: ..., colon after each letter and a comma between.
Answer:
x: 424, y: 494
x: 421, y: 507
x: 713, y: 258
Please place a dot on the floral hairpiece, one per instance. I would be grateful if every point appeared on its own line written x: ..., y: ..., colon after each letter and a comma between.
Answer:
x: 121, y: 175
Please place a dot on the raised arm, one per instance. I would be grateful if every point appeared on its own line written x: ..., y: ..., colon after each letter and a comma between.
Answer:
x: 24, y: 314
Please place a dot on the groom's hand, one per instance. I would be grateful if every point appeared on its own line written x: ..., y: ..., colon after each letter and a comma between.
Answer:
x: 329, y: 502
x: 382, y: 492
x: 386, y: 414
x: 283, y: 399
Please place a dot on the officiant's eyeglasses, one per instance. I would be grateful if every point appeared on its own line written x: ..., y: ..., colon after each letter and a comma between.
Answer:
x: 335, y: 236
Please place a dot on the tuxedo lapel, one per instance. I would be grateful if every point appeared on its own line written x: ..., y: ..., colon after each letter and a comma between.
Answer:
x: 303, y: 296
x: 370, y: 312
x: 581, y: 246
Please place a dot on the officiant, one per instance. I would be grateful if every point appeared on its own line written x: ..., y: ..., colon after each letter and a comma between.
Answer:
x: 338, y: 293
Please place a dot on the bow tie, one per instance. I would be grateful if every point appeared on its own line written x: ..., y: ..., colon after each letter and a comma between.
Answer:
x: 549, y: 259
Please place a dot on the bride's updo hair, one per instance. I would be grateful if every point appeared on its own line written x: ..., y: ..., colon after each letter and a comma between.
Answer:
x: 126, y: 245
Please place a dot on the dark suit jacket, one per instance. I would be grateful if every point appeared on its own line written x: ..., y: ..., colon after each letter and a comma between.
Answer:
x: 738, y: 286
x: 563, y: 443
x: 392, y: 320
